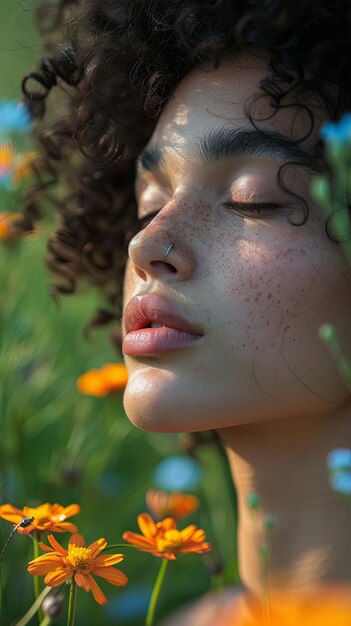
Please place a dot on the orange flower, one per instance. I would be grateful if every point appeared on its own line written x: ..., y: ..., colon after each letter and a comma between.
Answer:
x: 8, y: 228
x: 177, y: 505
x: 78, y: 562
x: 163, y: 539
x: 13, y: 164
x: 324, y: 607
x: 49, y: 517
x: 101, y: 382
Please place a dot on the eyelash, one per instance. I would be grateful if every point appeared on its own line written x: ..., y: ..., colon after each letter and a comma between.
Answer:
x: 253, y: 207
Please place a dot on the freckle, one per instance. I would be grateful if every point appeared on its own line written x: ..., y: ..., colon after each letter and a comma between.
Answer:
x: 269, y: 296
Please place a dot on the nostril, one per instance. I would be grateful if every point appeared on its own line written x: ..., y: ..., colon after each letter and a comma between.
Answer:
x: 163, y: 265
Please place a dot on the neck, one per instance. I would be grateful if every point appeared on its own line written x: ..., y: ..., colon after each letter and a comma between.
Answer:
x: 284, y: 463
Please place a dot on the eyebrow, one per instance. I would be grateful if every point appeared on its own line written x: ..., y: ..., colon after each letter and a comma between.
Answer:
x: 224, y: 143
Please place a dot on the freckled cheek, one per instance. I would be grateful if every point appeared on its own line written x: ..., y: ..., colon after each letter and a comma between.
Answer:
x: 265, y: 285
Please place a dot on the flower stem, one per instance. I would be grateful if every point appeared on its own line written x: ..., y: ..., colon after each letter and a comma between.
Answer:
x: 72, y: 603
x: 155, y: 593
x: 33, y: 609
x: 113, y: 546
x: 36, y: 579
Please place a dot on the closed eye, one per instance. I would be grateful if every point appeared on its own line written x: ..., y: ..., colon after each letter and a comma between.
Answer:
x: 253, y: 208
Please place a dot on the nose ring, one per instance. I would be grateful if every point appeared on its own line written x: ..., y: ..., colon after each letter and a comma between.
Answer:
x: 171, y: 245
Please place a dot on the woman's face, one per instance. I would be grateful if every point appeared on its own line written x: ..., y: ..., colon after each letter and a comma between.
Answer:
x: 245, y: 289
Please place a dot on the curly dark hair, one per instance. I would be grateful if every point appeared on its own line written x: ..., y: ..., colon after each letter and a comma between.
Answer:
x: 120, y: 63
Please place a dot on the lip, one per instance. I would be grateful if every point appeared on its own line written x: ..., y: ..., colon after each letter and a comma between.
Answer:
x: 141, y: 340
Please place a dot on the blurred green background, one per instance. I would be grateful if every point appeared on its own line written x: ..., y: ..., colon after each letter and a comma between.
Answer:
x: 59, y: 446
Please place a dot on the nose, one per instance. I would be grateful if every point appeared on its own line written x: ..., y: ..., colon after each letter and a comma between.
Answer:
x: 161, y: 250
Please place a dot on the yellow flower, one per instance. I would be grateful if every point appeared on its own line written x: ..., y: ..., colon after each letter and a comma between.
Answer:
x: 101, y: 382
x: 47, y: 517
x: 164, y: 540
x: 80, y: 563
x: 177, y: 505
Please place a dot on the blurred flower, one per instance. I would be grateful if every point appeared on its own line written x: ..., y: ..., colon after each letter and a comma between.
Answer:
x: 177, y: 473
x: 130, y: 604
x: 101, y: 382
x: 339, y: 459
x: 339, y: 464
x: 329, y: 606
x: 8, y: 229
x: 14, y: 166
x: 47, y: 517
x: 164, y: 540
x: 341, y: 482
x: 53, y: 605
x: 177, y: 505
x: 338, y: 132
x: 14, y: 116
x: 78, y: 562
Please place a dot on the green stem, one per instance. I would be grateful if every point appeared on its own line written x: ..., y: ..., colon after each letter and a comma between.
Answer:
x: 33, y: 609
x: 72, y: 603
x: 36, y: 579
x: 155, y: 593
x: 113, y: 546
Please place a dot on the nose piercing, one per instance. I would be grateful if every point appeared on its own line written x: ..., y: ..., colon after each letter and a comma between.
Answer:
x: 171, y: 245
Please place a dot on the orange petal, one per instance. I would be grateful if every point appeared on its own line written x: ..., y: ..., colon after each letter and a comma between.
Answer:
x: 97, y: 546
x: 115, y: 376
x: 112, y: 575
x: 77, y: 540
x: 82, y: 580
x: 170, y: 556
x: 199, y: 536
x: 45, y: 547
x: 61, y: 527
x: 108, y: 559
x: 166, y: 524
x: 11, y: 514
x: 72, y: 509
x: 92, y: 384
x: 57, y: 577
x: 138, y: 540
x: 197, y: 548
x: 188, y: 532
x: 41, y: 567
x: 96, y: 591
x: 55, y: 544
x: 147, y: 525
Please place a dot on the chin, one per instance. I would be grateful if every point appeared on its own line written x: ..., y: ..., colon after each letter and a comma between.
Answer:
x: 158, y: 402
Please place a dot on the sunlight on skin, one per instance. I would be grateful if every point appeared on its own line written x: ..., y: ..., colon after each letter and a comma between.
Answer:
x: 259, y: 288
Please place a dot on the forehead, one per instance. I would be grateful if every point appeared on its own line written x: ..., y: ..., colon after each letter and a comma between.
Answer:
x: 230, y: 97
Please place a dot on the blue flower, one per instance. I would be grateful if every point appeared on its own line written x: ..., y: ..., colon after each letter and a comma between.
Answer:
x: 14, y: 116
x: 339, y: 459
x: 177, y: 473
x: 338, y: 133
x: 341, y: 482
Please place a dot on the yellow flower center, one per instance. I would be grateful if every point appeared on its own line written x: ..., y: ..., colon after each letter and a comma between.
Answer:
x: 170, y: 542
x: 80, y: 559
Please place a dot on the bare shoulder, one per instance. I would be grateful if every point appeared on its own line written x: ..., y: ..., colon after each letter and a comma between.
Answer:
x: 209, y: 610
